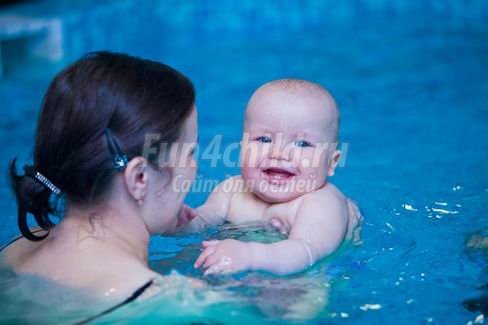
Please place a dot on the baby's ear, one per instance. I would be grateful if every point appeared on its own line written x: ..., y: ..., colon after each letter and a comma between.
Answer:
x: 333, y: 162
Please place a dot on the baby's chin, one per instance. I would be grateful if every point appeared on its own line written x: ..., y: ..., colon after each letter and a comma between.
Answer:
x: 277, y: 195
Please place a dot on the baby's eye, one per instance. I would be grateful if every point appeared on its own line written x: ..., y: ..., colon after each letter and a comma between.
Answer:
x: 303, y: 144
x: 264, y: 139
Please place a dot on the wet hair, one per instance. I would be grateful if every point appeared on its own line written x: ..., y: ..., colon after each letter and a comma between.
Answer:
x: 129, y: 96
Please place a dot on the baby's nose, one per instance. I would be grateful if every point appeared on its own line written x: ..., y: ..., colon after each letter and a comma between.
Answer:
x: 280, y: 152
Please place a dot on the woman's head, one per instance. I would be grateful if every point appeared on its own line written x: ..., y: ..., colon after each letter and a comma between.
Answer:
x: 128, y: 96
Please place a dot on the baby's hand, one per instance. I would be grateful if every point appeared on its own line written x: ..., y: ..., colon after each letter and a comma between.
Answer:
x: 185, y: 216
x: 280, y: 226
x: 224, y: 256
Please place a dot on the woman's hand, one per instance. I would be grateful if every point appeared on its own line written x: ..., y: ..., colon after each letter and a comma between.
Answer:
x: 226, y: 256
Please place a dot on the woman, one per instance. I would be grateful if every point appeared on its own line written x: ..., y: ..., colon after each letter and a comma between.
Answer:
x: 95, y: 118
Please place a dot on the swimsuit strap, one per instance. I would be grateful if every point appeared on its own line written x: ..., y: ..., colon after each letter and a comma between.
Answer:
x: 130, y: 299
x: 16, y: 239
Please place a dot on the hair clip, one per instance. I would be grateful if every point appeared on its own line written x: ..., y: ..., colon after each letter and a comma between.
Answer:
x: 119, y: 159
x: 30, y: 171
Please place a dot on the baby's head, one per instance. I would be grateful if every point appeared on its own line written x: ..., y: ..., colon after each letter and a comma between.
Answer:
x: 289, y: 142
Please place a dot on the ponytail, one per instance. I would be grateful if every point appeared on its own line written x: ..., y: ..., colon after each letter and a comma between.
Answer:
x: 32, y: 197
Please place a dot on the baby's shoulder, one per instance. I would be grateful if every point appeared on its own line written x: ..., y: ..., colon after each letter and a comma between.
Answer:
x: 328, y: 200
x: 326, y: 195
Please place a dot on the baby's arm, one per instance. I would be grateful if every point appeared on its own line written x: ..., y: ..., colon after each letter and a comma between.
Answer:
x: 319, y: 228
x: 215, y: 209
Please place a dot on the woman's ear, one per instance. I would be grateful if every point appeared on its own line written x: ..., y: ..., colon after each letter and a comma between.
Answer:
x: 333, y: 162
x: 136, y: 178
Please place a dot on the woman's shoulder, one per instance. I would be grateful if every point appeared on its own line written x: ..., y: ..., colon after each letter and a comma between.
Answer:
x: 106, y: 276
x: 14, y: 252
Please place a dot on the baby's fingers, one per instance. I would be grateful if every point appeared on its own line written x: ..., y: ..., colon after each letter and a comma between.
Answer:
x: 203, y: 256
x: 217, y: 268
x: 280, y: 226
x: 185, y: 216
x: 212, y: 260
x: 208, y: 243
x: 213, y: 270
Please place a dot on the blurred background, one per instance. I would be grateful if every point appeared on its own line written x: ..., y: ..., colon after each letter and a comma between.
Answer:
x: 411, y: 80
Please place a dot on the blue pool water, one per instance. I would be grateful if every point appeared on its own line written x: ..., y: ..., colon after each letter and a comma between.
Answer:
x: 412, y: 86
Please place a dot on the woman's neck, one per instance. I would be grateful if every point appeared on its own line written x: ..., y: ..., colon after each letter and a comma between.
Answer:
x: 117, y: 226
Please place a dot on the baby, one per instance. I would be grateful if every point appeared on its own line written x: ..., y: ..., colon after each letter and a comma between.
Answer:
x: 287, y: 152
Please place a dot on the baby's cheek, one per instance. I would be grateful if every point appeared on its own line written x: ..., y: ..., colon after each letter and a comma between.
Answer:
x: 323, y: 160
x: 252, y: 154
x: 249, y: 173
x: 314, y: 168
x: 310, y: 159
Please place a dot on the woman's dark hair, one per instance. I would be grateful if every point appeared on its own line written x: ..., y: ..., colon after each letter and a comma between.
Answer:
x: 130, y: 96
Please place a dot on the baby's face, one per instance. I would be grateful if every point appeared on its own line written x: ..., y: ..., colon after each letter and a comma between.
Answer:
x: 287, y: 148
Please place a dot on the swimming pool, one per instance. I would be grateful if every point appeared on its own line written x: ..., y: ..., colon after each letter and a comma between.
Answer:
x: 412, y: 85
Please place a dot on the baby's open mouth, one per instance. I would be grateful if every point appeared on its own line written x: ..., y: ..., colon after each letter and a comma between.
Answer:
x: 278, y: 175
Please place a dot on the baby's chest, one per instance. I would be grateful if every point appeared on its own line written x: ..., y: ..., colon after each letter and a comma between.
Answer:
x: 285, y: 212
x: 250, y: 210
